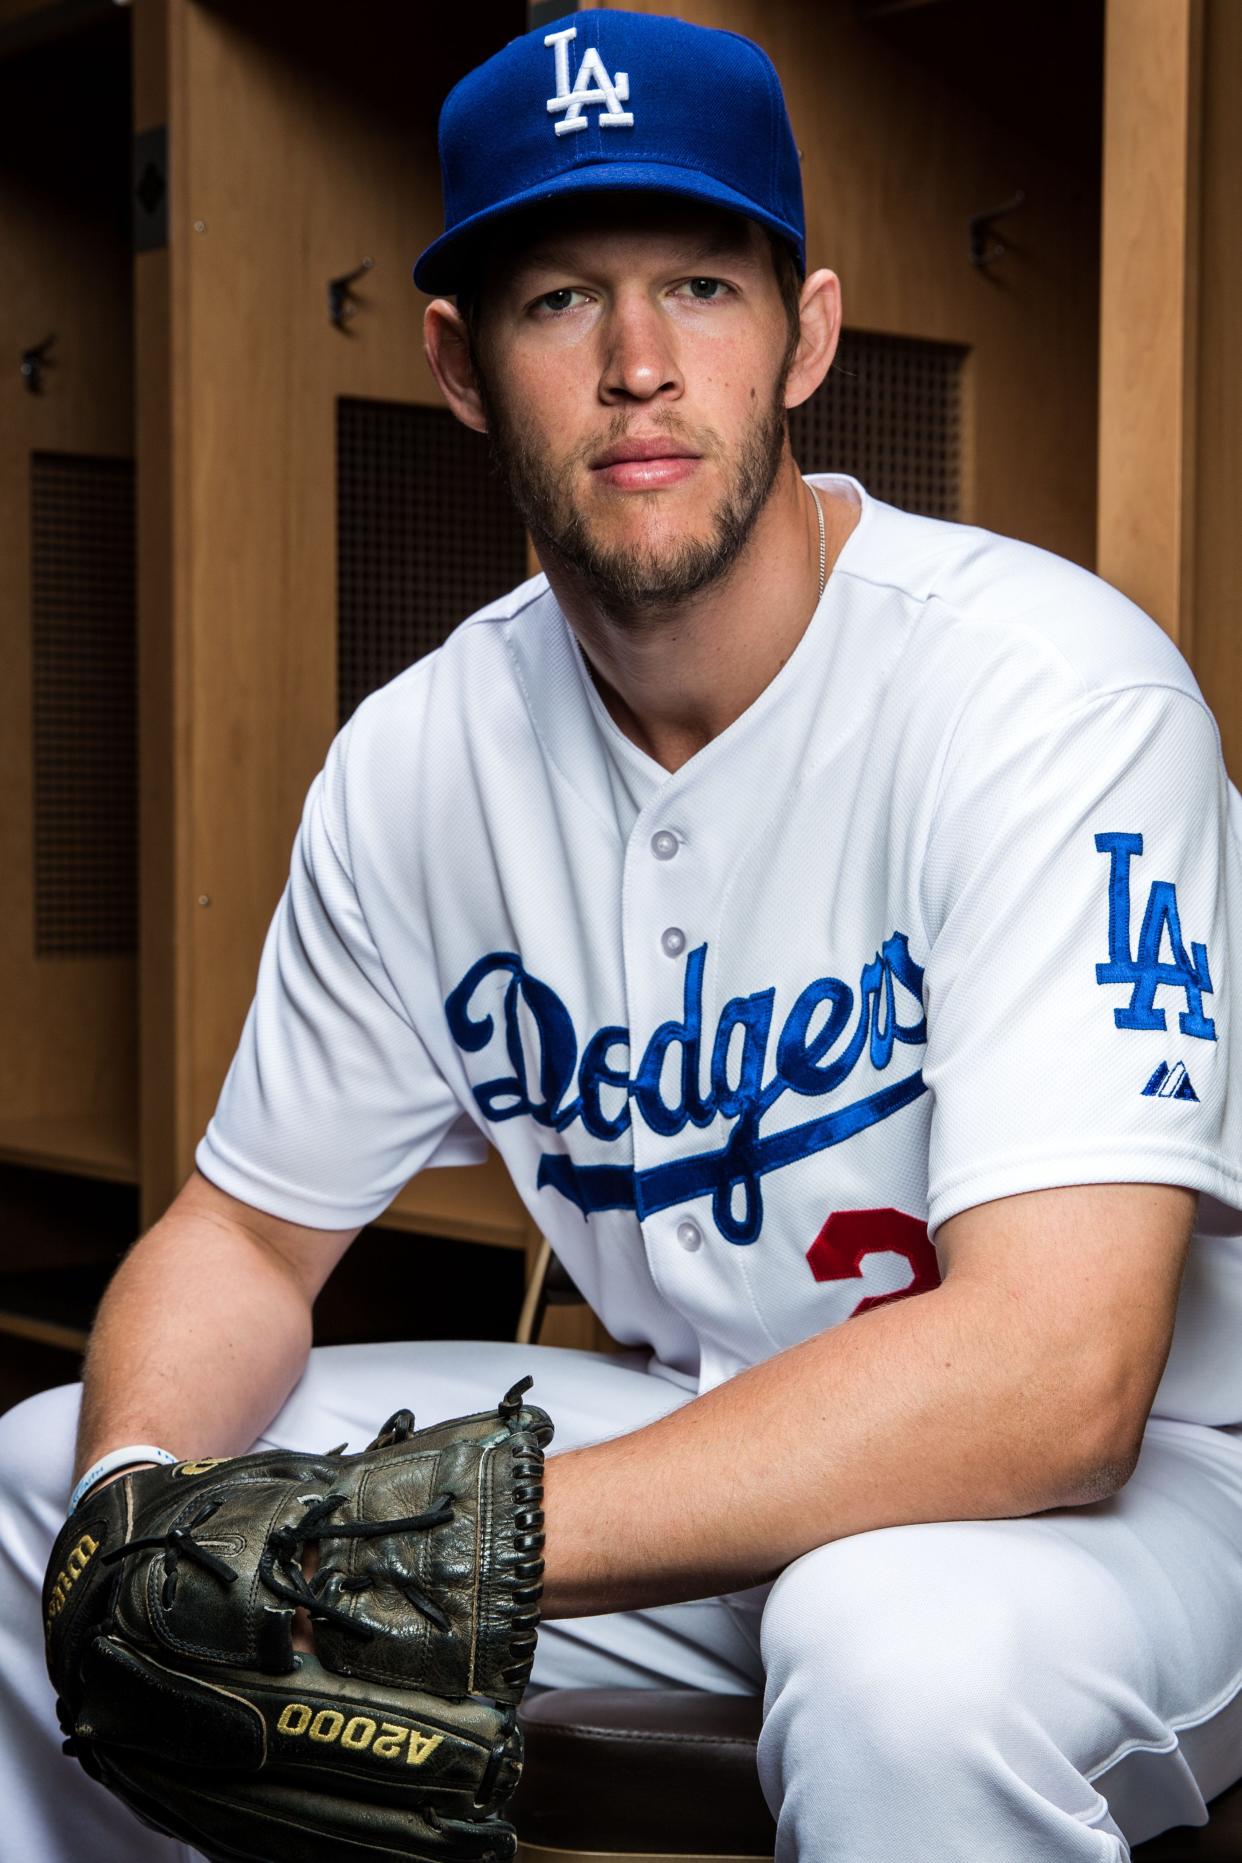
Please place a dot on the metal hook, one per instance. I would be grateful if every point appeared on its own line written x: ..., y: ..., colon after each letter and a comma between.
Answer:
x: 34, y: 361
x: 981, y: 230
x: 340, y: 298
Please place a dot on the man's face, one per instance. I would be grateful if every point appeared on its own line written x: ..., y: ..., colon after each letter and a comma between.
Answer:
x: 633, y: 360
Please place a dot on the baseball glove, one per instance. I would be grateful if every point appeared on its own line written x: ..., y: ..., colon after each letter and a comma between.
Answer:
x: 169, y: 1609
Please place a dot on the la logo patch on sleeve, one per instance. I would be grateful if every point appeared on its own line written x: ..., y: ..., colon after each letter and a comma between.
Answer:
x: 1147, y: 969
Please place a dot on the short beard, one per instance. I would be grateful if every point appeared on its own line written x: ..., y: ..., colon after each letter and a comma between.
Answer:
x: 629, y: 584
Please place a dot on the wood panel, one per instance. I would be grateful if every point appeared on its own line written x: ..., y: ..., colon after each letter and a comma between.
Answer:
x: 163, y: 662
x: 68, y: 1090
x: 1148, y: 320
x: 1216, y: 637
x: 99, y: 1143
x: 912, y: 121
x: 1171, y: 308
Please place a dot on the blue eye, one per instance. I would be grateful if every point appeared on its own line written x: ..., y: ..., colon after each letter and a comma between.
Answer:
x: 557, y: 300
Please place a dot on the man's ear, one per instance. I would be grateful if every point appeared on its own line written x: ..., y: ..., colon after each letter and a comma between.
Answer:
x: 448, y: 352
x: 821, y: 330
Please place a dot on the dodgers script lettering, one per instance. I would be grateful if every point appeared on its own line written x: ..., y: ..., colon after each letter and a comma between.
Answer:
x: 815, y: 1053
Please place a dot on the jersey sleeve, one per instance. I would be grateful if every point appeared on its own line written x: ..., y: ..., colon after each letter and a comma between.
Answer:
x: 331, y: 1102
x: 1083, y: 899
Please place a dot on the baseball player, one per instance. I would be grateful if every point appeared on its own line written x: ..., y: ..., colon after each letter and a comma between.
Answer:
x: 831, y: 915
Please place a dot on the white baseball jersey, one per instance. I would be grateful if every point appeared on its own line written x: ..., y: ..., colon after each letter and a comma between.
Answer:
x: 952, y: 911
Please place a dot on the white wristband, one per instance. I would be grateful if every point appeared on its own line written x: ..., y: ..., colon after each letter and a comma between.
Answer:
x: 115, y: 1459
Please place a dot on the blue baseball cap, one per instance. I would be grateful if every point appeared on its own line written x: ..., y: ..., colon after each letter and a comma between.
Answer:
x: 609, y: 100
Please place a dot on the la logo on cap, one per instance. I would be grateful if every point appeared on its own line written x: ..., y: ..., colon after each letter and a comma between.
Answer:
x: 591, y: 86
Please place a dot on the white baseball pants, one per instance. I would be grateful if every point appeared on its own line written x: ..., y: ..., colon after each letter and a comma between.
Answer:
x: 1057, y: 1686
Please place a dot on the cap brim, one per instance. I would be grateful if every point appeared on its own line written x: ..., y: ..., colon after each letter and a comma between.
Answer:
x: 444, y: 266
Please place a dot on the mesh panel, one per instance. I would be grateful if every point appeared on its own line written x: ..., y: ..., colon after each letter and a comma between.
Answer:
x: 889, y: 413
x: 425, y: 535
x: 84, y: 724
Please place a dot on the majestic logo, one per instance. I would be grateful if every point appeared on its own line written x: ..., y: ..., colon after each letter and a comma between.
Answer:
x: 814, y: 1056
x: 591, y: 86
x: 1146, y: 972
x: 1170, y: 1083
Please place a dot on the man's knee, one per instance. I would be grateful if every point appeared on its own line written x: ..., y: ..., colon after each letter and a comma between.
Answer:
x: 943, y: 1624
x: 911, y: 1627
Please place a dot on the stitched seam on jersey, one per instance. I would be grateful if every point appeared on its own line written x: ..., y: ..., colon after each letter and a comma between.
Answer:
x: 249, y: 1174
x: 1057, y: 721
x: 1093, y: 1153
x: 610, y: 827
x: 328, y: 835
x: 1034, y: 634
x: 880, y: 582
x: 495, y: 611
x: 606, y: 723
x: 1219, y: 1701
x: 397, y: 1006
x: 1091, y: 1818
x: 949, y: 557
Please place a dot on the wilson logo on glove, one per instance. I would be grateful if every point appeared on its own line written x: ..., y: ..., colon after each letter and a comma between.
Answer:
x: 359, y: 1734
x: 68, y: 1577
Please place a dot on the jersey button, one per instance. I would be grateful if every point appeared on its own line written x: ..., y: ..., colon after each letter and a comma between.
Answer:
x: 689, y: 1235
x: 673, y: 941
x: 664, y: 844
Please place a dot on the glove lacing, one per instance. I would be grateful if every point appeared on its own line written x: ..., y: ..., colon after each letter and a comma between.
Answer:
x: 285, y: 1543
x: 283, y: 1547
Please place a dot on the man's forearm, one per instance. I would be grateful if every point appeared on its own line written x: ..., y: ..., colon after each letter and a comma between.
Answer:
x: 919, y: 1410
x: 198, y: 1341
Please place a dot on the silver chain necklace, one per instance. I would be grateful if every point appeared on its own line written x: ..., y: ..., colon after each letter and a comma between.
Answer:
x: 823, y: 543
